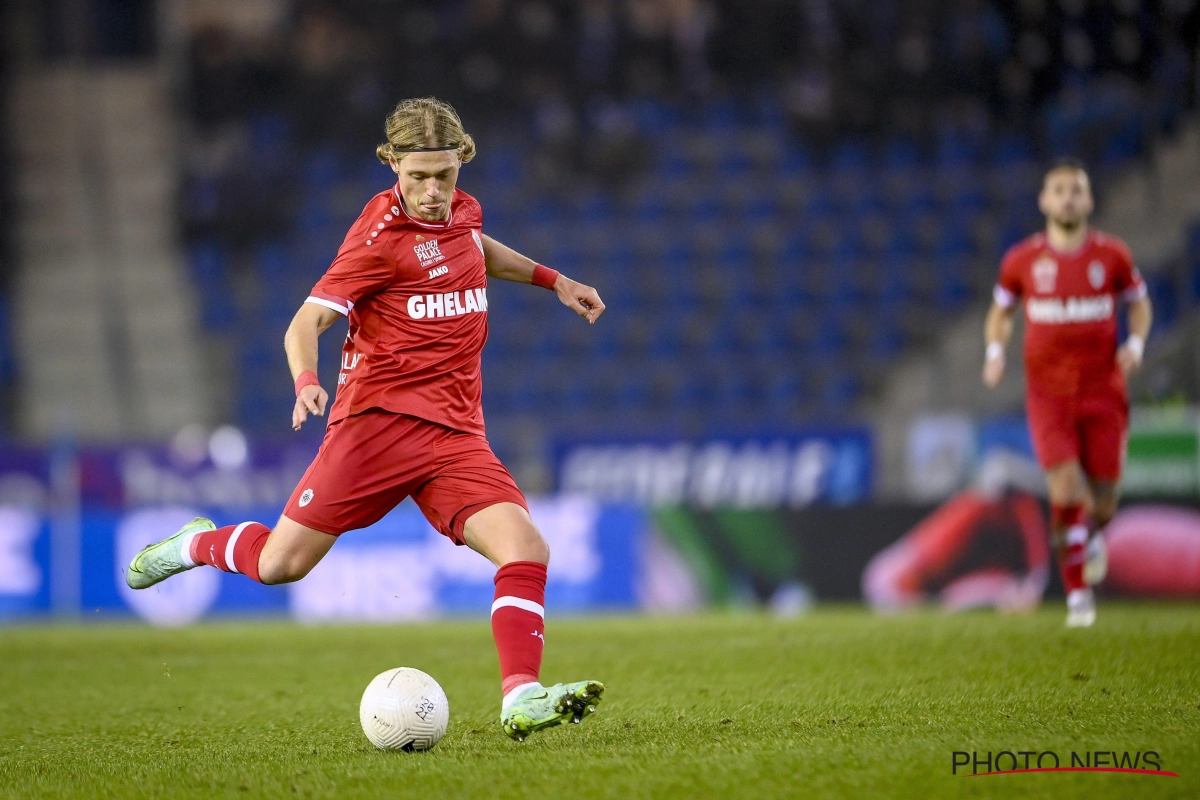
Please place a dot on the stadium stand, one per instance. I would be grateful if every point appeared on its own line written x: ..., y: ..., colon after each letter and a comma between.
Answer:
x: 725, y: 226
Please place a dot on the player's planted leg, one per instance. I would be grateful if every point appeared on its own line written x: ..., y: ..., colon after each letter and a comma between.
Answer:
x: 1071, y: 539
x: 506, y: 535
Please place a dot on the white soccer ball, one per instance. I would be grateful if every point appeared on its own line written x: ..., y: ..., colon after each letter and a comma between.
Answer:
x: 404, y: 709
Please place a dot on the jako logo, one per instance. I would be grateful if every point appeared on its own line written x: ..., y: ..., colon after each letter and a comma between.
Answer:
x: 450, y: 304
x: 1009, y: 761
x: 436, y: 271
x: 306, y: 498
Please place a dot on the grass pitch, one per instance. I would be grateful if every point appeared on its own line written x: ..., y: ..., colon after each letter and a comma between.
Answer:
x: 834, y: 704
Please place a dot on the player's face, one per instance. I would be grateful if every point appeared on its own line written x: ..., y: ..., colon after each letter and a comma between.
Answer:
x: 1066, y: 198
x: 427, y: 182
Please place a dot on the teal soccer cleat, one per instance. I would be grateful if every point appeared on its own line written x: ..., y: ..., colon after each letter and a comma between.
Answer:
x: 164, y: 559
x: 541, y: 707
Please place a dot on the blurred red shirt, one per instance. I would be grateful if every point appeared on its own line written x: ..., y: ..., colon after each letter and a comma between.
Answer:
x: 416, y: 297
x: 1071, y: 302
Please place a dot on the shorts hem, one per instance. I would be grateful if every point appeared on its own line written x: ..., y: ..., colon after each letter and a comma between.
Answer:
x: 459, y: 523
x: 319, y: 527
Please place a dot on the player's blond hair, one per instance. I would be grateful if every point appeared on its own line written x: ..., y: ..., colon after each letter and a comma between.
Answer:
x: 424, y: 122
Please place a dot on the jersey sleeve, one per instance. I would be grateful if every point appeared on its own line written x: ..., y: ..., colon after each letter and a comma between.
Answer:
x: 1008, y: 287
x: 362, y: 268
x: 1127, y: 281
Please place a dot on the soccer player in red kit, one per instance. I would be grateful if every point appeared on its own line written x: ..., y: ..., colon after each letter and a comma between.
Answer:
x: 1071, y: 280
x: 411, y: 276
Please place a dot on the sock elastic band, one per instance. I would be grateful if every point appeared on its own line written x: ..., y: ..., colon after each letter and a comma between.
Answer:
x: 515, y: 692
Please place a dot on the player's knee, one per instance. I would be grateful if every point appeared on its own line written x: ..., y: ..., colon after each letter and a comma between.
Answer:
x: 1066, y: 490
x: 1103, y: 510
x: 535, y: 547
x: 273, y: 571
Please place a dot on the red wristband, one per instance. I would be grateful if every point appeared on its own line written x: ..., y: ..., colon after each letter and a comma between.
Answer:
x: 544, y: 277
x: 307, y: 378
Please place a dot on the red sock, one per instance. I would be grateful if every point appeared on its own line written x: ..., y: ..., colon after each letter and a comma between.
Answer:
x: 234, y: 548
x: 1069, y: 525
x: 518, y: 621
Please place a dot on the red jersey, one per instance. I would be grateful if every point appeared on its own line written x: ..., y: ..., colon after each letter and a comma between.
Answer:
x: 416, y: 296
x: 1070, y: 309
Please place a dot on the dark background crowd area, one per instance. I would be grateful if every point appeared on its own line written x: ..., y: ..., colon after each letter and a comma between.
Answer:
x: 570, y: 71
x: 774, y: 198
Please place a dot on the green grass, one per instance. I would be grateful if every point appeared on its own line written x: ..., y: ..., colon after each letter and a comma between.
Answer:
x: 834, y: 704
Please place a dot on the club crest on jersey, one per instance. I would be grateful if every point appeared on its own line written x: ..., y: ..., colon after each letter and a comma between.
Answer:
x: 1096, y: 274
x: 429, y: 253
x: 1045, y: 274
x: 306, y: 497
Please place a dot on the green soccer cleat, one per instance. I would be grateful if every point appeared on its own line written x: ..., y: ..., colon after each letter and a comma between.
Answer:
x: 164, y: 559
x: 541, y: 707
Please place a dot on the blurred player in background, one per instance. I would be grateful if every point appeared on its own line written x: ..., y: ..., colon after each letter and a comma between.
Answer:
x: 411, y: 276
x: 986, y: 546
x: 1071, y: 279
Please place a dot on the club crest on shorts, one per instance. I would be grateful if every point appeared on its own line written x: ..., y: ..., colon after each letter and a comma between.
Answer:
x: 1096, y: 274
x: 306, y: 497
x: 1045, y: 273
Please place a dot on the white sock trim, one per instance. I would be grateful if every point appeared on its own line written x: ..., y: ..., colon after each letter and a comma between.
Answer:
x: 518, y: 602
x: 237, y: 533
x: 1078, y: 534
x: 514, y: 693
x: 185, y: 550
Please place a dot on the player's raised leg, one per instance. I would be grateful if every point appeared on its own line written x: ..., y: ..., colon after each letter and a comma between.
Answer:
x: 506, y: 535
x: 282, y: 555
x: 1104, y: 508
x: 1069, y: 535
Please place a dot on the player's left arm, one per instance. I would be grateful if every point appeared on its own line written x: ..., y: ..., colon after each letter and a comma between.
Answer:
x: 1141, y: 314
x: 508, y: 265
x: 1132, y: 289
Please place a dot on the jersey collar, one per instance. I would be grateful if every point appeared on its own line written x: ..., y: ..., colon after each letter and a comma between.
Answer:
x: 417, y: 220
x: 1087, y: 240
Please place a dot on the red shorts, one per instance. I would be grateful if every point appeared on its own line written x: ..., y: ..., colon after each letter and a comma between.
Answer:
x: 370, y: 462
x: 1088, y: 427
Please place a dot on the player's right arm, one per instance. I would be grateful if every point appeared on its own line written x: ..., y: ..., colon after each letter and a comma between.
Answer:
x: 361, y: 268
x: 998, y: 327
x: 300, y: 344
x: 997, y: 330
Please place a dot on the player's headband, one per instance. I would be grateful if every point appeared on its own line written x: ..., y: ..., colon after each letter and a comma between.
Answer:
x: 425, y: 149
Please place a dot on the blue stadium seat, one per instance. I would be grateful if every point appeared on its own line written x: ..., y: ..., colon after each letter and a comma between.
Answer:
x: 210, y: 270
x: 7, y: 359
x: 841, y: 392
x: 952, y: 272
x: 901, y: 155
x: 851, y: 158
x: 796, y: 163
